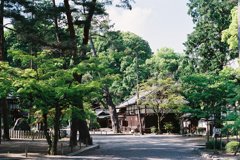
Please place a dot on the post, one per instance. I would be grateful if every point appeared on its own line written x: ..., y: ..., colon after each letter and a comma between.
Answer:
x: 62, y: 148
x: 26, y: 150
x: 138, y: 107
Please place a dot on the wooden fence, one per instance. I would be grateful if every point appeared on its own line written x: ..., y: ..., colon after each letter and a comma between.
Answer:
x: 19, y: 134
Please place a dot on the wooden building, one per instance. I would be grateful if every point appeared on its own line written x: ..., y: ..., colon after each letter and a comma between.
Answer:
x: 128, y: 116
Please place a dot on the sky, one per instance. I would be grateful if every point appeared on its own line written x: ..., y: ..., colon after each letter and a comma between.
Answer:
x: 163, y: 23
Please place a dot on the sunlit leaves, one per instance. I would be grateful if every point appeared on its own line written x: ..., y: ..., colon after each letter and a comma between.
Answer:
x: 230, y: 35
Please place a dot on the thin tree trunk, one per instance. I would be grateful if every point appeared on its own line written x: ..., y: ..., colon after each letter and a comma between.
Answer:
x: 56, y: 23
x: 71, y: 29
x: 56, y: 129
x: 5, y: 114
x: 46, y: 133
x: 159, y: 123
x: 207, y: 130
x: 86, y: 28
x: 1, y: 31
x: 112, y: 112
x: 92, y: 46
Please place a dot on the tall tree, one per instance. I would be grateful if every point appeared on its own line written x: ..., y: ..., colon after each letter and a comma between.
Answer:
x: 36, y: 23
x: 3, y: 100
x: 205, y: 50
x: 1, y: 30
x: 230, y: 35
x: 118, y: 54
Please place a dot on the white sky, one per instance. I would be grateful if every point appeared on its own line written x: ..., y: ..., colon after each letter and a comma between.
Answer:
x: 163, y: 23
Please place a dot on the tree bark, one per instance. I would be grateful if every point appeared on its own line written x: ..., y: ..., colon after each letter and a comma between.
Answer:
x: 5, y: 114
x: 56, y: 129
x: 84, y: 135
x: 56, y: 23
x: 71, y: 29
x: 46, y: 133
x: 74, y: 129
x: 112, y: 112
x: 1, y: 31
x: 81, y: 125
x: 159, y: 123
x: 86, y: 28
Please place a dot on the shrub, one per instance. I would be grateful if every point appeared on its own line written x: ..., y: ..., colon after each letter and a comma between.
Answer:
x: 210, y: 144
x: 168, y: 127
x: 231, y: 146
x: 153, y: 129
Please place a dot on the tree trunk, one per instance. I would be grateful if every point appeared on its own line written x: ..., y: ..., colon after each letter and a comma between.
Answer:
x: 1, y: 31
x: 56, y: 23
x: 208, y: 132
x: 159, y: 124
x: 84, y: 135
x: 71, y: 29
x: 46, y: 133
x: 81, y: 125
x: 74, y: 129
x: 87, y: 26
x: 112, y: 112
x: 5, y: 114
x: 56, y: 129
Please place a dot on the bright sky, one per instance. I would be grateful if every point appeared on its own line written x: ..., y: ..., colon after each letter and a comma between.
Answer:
x: 163, y: 23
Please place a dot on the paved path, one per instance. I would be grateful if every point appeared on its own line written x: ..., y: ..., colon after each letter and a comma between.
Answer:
x: 130, y: 147
x: 147, y: 147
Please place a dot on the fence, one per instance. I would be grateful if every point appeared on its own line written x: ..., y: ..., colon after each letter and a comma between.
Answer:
x: 19, y: 134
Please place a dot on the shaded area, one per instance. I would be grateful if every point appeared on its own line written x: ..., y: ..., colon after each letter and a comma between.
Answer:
x: 36, y: 148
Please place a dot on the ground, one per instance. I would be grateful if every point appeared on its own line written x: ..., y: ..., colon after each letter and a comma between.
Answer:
x: 116, y: 147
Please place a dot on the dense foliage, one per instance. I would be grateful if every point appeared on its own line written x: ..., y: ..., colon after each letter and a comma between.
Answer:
x: 62, y: 60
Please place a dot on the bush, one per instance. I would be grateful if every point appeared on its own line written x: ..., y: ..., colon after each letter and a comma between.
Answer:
x: 231, y: 146
x: 210, y: 144
x: 168, y: 127
x: 153, y: 129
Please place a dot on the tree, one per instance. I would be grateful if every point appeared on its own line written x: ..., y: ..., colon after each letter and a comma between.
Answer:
x: 118, y: 53
x: 164, y: 63
x: 38, y: 27
x: 230, y: 35
x: 204, y: 48
x: 164, y: 97
x: 207, y: 96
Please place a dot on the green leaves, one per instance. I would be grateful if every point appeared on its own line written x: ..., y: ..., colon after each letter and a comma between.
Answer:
x: 205, y: 50
x: 164, y: 95
x: 230, y: 35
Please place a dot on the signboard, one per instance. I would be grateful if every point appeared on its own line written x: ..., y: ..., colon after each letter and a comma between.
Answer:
x: 216, y: 131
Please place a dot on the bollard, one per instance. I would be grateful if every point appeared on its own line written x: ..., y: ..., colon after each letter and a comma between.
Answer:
x: 62, y: 148
x: 71, y: 148
x: 26, y: 150
x: 80, y: 144
x: 86, y: 142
